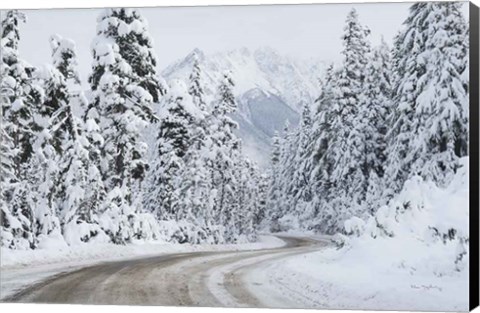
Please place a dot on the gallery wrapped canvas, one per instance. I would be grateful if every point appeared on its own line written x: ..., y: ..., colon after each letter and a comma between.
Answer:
x: 318, y: 156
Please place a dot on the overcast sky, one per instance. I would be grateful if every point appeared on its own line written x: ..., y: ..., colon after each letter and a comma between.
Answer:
x: 298, y: 30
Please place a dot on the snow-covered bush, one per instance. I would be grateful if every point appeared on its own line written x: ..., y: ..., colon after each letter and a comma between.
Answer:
x: 427, y: 225
x: 354, y: 226
x: 287, y: 223
x: 80, y: 232
x: 185, y: 232
x: 146, y: 227
x: 195, y: 234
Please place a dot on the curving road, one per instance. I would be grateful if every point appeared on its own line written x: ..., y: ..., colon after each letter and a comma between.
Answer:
x: 185, y: 279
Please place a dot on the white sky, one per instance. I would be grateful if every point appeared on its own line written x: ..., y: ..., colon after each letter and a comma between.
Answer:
x: 298, y: 30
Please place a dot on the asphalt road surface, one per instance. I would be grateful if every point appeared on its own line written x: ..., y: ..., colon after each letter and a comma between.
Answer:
x: 185, y: 279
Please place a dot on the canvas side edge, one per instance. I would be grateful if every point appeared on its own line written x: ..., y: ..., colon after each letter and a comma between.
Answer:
x: 474, y: 157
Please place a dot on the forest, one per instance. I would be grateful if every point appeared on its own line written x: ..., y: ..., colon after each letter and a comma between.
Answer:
x: 79, y: 162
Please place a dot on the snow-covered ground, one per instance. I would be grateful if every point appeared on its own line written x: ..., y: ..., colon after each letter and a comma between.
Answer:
x: 22, y: 268
x: 406, y: 257
x: 357, y: 279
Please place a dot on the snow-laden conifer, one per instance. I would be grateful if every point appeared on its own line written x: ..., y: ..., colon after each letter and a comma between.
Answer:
x: 430, y: 113
x: 124, y: 86
x: 21, y: 97
x: 174, y: 139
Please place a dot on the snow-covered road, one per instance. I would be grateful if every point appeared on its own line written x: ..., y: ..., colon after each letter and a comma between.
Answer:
x: 190, y: 279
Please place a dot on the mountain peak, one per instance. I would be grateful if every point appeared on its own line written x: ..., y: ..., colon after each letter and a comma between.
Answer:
x: 293, y: 81
x: 237, y: 53
x: 244, y: 51
x: 270, y: 88
x: 196, y: 54
x: 266, y: 50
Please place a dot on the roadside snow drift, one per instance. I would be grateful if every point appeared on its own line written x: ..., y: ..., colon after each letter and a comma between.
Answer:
x: 412, y: 254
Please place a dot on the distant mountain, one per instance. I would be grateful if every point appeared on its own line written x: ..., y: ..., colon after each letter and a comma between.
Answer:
x: 270, y: 89
x: 268, y: 112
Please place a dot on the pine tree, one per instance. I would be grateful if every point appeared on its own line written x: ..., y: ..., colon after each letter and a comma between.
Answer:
x: 262, y: 217
x: 196, y: 203
x: 301, y: 193
x: 348, y: 145
x: 52, y: 131
x: 322, y: 161
x: 196, y: 89
x: 287, y: 172
x: 247, y: 204
x: 79, y: 181
x: 95, y: 192
x: 430, y: 113
x: 61, y: 157
x: 445, y: 115
x: 274, y: 188
x: 12, y: 231
x: 376, y: 113
x: 124, y: 86
x: 64, y: 56
x: 14, y: 234
x: 173, y: 142
x: 134, y: 45
x: 21, y: 97
x: 226, y: 151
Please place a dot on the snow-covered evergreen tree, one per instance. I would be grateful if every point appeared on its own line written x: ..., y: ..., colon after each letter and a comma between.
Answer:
x: 21, y: 97
x: 226, y: 151
x: 274, y: 191
x: 196, y: 202
x: 15, y: 232
x: 301, y: 192
x: 431, y: 111
x: 46, y: 142
x: 375, y: 113
x: 64, y: 57
x: 95, y: 191
x: 287, y: 172
x: 129, y: 31
x: 247, y: 204
x: 195, y: 88
x: 174, y: 140
x: 262, y: 217
x: 79, y: 182
x: 124, y: 86
x: 322, y: 161
x: 347, y: 147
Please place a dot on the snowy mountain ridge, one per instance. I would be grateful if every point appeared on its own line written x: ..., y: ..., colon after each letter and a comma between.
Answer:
x: 293, y: 80
x: 270, y: 89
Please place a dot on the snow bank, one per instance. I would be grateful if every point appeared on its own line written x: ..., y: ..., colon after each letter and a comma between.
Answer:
x: 373, y: 276
x: 55, y: 253
x: 426, y: 225
x: 412, y: 255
